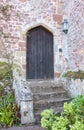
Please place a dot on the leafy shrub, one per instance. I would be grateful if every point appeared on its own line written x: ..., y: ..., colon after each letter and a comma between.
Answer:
x: 72, y: 118
x: 48, y: 116
x: 77, y: 126
x: 60, y: 123
x: 9, y: 112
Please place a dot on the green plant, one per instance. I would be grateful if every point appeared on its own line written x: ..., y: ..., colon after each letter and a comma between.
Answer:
x: 77, y: 126
x: 74, y: 74
x: 60, y: 123
x: 48, y: 116
x: 72, y: 118
x: 6, y: 77
x: 9, y: 112
x: 74, y: 110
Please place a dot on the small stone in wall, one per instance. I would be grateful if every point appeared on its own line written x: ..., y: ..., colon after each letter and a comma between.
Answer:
x: 23, y: 0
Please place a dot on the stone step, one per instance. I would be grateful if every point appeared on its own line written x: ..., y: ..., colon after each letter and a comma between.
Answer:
x: 50, y: 95
x: 45, y: 86
x: 47, y: 103
x: 55, y: 109
x: 46, y: 89
x: 50, y: 83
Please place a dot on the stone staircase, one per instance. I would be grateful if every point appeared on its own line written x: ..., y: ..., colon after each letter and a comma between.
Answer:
x: 47, y: 95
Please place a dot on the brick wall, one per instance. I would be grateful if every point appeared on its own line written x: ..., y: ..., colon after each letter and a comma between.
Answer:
x: 27, y: 14
x: 75, y: 39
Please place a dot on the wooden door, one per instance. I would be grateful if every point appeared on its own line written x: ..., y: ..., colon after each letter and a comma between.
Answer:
x: 40, y: 54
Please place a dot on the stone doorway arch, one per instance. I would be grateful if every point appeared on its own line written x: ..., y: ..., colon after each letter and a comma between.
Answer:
x: 48, y: 27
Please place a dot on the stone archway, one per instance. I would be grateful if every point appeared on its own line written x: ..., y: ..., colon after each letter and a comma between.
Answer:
x: 52, y: 30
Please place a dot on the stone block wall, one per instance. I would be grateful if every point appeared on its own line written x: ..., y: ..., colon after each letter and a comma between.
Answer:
x: 74, y: 10
x: 27, y: 14
x: 24, y: 99
x: 73, y: 87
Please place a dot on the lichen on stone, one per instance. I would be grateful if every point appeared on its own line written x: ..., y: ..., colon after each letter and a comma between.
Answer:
x: 74, y: 74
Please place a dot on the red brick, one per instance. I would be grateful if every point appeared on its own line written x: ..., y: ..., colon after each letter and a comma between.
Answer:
x: 57, y: 75
x: 23, y: 0
x: 24, y: 66
x: 22, y: 44
x: 74, y: 50
x: 33, y: 19
x: 58, y: 18
x: 22, y: 48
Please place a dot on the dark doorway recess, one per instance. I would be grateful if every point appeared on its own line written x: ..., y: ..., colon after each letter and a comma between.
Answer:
x: 40, y: 54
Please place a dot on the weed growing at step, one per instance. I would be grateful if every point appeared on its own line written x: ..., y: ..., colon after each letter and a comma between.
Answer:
x: 9, y: 111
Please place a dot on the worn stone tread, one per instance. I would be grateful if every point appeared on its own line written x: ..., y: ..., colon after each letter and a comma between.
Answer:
x: 57, y: 110
x: 50, y: 93
x: 52, y: 100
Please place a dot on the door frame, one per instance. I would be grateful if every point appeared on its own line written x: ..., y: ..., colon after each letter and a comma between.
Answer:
x: 53, y: 30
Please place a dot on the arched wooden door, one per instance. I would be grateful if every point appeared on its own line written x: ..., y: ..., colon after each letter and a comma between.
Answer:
x: 40, y: 54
